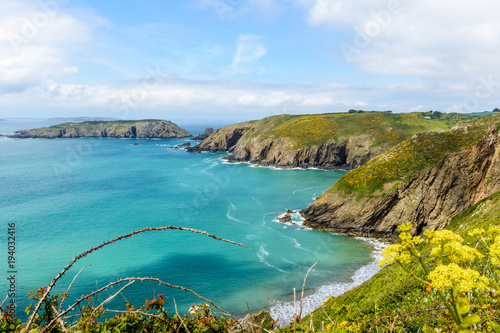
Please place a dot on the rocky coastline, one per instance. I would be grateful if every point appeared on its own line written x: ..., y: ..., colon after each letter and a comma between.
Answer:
x: 345, y: 155
x: 429, y: 199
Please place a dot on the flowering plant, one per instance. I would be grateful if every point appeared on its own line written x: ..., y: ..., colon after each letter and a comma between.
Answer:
x: 456, y: 270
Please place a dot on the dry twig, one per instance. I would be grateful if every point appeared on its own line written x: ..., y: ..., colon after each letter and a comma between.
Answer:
x: 95, y: 248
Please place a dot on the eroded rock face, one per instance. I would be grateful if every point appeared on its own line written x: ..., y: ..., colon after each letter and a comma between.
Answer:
x: 223, y: 139
x: 283, y: 153
x: 208, y: 131
x: 429, y: 199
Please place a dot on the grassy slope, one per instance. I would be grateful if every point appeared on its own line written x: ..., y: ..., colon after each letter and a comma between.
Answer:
x: 411, y: 155
x: 390, y: 293
x: 316, y: 129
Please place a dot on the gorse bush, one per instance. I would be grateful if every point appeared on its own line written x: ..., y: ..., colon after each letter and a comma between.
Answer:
x: 398, y: 164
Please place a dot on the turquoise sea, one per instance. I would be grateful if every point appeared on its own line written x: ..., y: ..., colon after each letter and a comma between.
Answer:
x: 68, y: 195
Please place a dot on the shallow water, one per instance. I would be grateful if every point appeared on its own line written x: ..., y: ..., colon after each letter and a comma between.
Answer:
x: 67, y: 195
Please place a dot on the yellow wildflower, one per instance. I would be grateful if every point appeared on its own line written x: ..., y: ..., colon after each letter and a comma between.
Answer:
x: 494, y: 229
x: 442, y: 237
x: 453, y: 276
x: 393, y: 253
x: 405, y: 227
x: 477, y: 233
x: 495, y: 251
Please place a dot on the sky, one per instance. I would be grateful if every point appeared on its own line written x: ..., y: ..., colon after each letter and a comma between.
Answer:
x: 246, y: 59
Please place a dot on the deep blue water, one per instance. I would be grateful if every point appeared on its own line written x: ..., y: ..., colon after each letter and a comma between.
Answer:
x: 67, y: 195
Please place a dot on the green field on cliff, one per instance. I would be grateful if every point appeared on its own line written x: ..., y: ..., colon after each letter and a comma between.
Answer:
x: 420, y: 151
x: 384, y: 128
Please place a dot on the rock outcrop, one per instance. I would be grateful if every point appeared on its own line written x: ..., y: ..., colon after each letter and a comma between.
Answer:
x: 326, y: 141
x: 429, y: 199
x: 206, y: 134
x: 221, y: 140
x: 281, y: 152
x: 159, y: 129
x: 347, y: 154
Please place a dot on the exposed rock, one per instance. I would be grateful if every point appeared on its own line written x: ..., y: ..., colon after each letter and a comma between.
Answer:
x: 206, y: 134
x: 287, y: 218
x: 343, y: 155
x: 185, y: 144
x: 280, y: 152
x: 429, y: 199
x: 160, y: 129
x: 289, y: 211
x: 222, y: 139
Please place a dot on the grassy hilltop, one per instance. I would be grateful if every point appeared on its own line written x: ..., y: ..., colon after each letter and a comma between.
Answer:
x: 417, y: 153
x: 384, y: 127
x: 326, y: 141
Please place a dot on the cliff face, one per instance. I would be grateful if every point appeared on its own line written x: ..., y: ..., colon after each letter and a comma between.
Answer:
x: 222, y: 139
x: 346, y: 154
x: 429, y: 199
x: 327, y: 141
x: 108, y: 129
x: 244, y: 146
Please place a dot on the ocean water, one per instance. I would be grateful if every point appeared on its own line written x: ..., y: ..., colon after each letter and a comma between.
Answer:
x: 68, y: 195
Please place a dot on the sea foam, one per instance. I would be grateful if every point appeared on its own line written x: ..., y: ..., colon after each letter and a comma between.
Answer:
x: 283, y: 311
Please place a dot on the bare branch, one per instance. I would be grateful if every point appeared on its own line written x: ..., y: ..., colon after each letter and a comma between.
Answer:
x: 303, y: 287
x: 181, y: 319
x: 95, y: 248
x: 81, y: 299
x: 113, y: 296
x: 71, y: 284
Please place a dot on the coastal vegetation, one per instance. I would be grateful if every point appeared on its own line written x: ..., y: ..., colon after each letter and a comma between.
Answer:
x: 326, y: 141
x: 396, y: 298
x: 420, y: 151
x: 317, y: 129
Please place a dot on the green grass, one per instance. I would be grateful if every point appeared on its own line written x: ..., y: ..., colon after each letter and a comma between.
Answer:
x: 414, y: 154
x: 392, y: 298
x: 384, y: 129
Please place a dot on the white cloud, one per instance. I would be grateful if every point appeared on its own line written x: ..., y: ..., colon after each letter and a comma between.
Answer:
x: 170, y: 97
x: 249, y: 50
x: 448, y: 39
x: 35, y: 42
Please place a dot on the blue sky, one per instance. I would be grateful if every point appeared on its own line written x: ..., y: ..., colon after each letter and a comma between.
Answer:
x: 246, y: 59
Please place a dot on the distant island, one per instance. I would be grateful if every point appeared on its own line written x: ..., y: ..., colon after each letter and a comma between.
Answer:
x: 149, y: 128
x: 81, y: 119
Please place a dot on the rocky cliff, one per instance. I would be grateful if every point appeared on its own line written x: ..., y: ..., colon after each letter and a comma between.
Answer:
x: 208, y: 131
x: 326, y: 141
x: 160, y: 129
x: 429, y: 199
